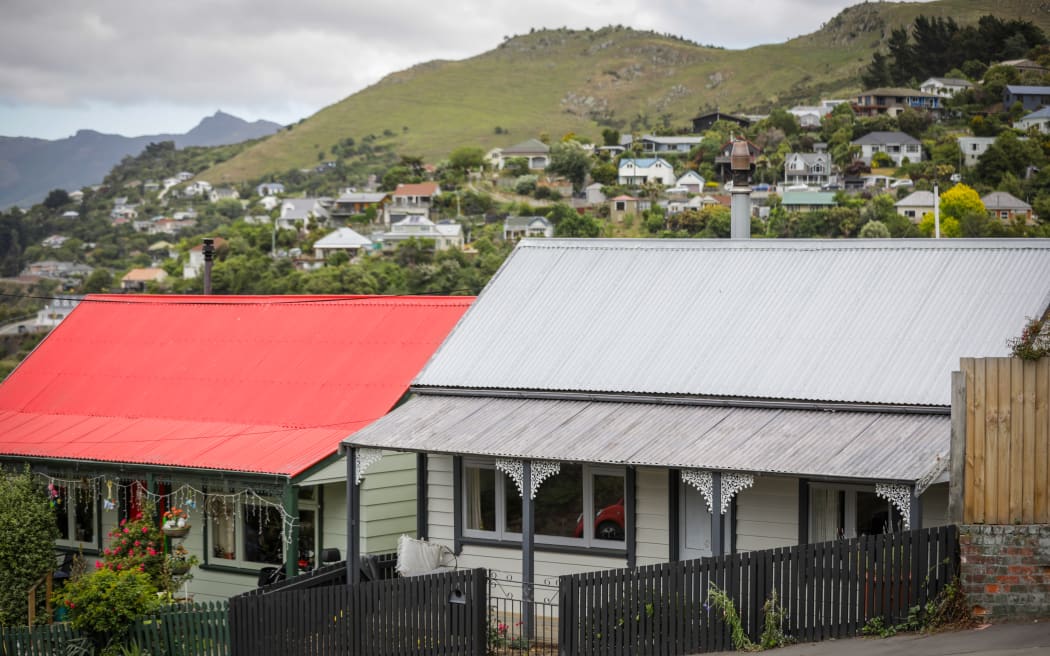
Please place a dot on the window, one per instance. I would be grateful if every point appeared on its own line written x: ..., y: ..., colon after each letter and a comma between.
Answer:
x: 75, y: 514
x: 251, y: 534
x: 849, y: 512
x: 492, y: 506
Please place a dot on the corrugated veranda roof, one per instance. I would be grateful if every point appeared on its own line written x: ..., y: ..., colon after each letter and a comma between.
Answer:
x: 239, y: 383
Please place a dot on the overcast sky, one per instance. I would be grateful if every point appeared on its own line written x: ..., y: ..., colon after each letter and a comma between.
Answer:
x: 148, y: 66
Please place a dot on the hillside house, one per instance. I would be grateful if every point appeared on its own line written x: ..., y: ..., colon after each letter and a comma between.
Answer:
x: 945, y: 87
x: 652, y: 144
x: 137, y: 279
x: 894, y: 100
x: 410, y: 200
x: 444, y: 234
x: 808, y: 201
x: 645, y: 170
x: 1039, y: 119
x: 1008, y: 208
x: 624, y: 206
x: 343, y: 240
x: 223, y: 193
x: 691, y: 181
x: 897, y: 145
x: 1024, y: 66
x: 915, y: 205
x: 811, y: 169
x: 248, y: 445
x: 533, y: 151
x: 1030, y: 97
x: 520, y: 227
x: 301, y: 213
x: 973, y: 147
x: 769, y: 408
x: 809, y: 117
x: 722, y: 158
x: 269, y: 189
x: 357, y: 202
x: 703, y: 121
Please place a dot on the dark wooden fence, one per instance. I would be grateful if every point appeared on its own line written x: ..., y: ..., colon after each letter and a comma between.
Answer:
x: 178, y: 630
x: 434, y: 614
x: 829, y: 590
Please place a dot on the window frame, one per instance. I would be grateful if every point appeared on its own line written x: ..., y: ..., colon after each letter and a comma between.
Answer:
x: 70, y: 512
x: 238, y: 562
x: 849, y: 507
x: 501, y: 535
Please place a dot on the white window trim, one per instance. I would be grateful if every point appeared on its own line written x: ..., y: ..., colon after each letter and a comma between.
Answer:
x: 502, y: 535
x: 238, y: 537
x: 69, y: 509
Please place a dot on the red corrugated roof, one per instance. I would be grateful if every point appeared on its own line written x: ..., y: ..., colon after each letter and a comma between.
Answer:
x: 243, y: 383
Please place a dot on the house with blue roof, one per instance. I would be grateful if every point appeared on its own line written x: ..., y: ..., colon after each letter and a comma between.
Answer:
x: 647, y: 169
x: 1030, y: 97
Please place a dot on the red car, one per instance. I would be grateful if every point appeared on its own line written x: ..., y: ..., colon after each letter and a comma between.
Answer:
x: 608, y: 523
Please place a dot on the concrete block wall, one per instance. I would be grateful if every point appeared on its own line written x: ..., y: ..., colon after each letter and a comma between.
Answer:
x: 1005, y: 570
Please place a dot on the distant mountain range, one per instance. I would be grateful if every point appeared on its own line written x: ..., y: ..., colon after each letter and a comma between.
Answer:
x: 30, y: 168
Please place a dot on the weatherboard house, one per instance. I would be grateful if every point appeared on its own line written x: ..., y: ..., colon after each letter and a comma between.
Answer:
x: 670, y: 399
x: 232, y: 407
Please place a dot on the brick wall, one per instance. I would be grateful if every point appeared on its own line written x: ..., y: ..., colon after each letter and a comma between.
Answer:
x: 1005, y: 570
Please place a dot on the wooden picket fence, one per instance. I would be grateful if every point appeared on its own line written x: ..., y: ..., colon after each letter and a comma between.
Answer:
x: 178, y: 630
x: 422, y: 615
x: 828, y: 590
x: 1007, y: 459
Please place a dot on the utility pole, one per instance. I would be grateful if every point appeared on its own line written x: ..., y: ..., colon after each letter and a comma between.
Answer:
x: 209, y: 254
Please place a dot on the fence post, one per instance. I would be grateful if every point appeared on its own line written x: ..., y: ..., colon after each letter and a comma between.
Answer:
x: 957, y: 450
x: 481, y: 605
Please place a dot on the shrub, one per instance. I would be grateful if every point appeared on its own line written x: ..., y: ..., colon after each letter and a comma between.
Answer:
x: 104, y: 603
x: 1034, y: 342
x: 27, y: 550
x: 138, y: 545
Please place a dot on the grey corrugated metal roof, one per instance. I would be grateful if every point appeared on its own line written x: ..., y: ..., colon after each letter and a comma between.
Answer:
x: 853, y: 445
x: 871, y: 321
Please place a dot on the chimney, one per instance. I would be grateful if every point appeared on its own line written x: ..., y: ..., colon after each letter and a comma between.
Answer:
x: 740, y: 208
x: 209, y: 255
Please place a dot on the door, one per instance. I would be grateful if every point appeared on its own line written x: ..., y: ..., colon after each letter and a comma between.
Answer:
x: 695, y: 523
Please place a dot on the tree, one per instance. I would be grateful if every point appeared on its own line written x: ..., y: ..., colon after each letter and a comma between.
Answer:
x: 569, y: 160
x: 27, y: 551
x: 874, y: 230
x: 959, y: 201
x: 578, y: 225
x: 465, y: 158
x: 98, y: 281
x: 56, y: 198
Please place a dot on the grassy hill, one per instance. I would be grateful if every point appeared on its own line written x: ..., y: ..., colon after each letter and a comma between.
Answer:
x: 561, y: 81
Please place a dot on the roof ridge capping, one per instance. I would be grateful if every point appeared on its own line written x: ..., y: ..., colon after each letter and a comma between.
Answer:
x: 788, y: 244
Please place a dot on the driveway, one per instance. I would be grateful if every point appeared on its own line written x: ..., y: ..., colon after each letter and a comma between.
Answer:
x: 1021, y: 639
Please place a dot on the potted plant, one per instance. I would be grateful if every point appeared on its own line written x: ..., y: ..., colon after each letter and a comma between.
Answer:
x: 176, y: 523
x: 180, y: 561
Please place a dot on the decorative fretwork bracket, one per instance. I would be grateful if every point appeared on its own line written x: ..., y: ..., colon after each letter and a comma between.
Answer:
x: 541, y: 471
x: 732, y: 483
x: 899, y: 496
x: 366, y: 458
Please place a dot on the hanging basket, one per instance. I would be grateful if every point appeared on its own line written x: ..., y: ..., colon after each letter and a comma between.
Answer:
x: 180, y: 568
x: 177, y: 532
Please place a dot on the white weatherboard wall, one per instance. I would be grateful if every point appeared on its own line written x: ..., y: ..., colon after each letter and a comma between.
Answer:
x: 767, y: 514
x: 388, y: 502
x: 653, y: 526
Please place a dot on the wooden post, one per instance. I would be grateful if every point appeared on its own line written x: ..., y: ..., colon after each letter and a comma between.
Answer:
x: 631, y: 513
x: 674, y: 536
x: 957, y: 457
x: 915, y: 520
x: 290, y: 506
x: 528, y: 562
x: 803, y: 511
x: 422, y: 518
x: 718, y: 545
x: 353, y: 512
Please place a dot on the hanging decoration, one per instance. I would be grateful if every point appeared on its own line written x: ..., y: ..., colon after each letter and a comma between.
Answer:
x: 732, y: 483
x: 366, y: 457
x: 899, y: 496
x: 226, y: 504
x: 541, y: 471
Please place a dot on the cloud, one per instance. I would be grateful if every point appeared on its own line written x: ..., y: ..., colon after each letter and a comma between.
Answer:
x: 68, y: 55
